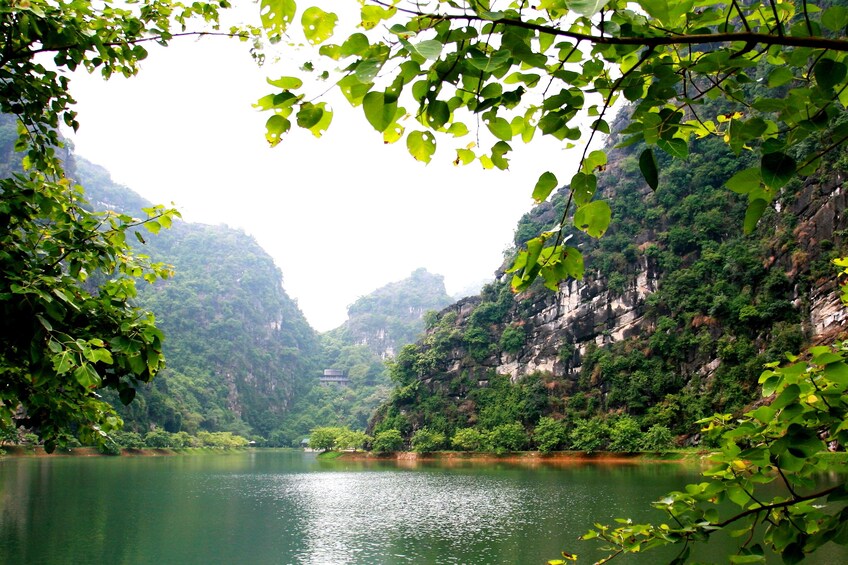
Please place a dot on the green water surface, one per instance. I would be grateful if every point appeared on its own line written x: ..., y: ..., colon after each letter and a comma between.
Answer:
x: 277, y: 507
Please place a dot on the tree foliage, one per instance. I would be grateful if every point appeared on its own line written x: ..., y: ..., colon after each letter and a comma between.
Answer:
x: 501, y: 72
x: 324, y: 438
x: 387, y: 441
x: 767, y: 467
x: 68, y: 274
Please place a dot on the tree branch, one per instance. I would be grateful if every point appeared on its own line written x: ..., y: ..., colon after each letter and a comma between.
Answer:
x: 660, y: 40
x: 769, y: 507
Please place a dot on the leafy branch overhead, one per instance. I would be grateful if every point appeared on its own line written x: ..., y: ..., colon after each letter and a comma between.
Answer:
x: 479, y: 76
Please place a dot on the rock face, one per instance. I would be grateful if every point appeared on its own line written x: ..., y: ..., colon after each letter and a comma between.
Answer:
x: 561, y: 326
x: 580, y: 313
x: 820, y: 208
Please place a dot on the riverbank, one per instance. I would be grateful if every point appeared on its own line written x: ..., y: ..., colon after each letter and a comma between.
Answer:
x: 38, y: 451
x: 529, y: 458
x: 837, y: 461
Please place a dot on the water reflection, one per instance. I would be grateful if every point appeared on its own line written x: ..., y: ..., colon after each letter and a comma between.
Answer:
x: 288, y: 508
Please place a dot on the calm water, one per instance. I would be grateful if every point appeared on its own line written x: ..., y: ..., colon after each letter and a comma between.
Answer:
x: 287, y: 507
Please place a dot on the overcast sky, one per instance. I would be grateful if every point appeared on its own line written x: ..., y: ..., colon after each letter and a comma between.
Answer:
x: 341, y: 215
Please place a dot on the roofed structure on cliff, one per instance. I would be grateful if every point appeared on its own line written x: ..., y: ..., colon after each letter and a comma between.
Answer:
x: 334, y: 377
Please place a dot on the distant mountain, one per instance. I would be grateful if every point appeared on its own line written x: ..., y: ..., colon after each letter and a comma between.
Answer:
x: 378, y: 325
x: 472, y: 289
x: 393, y: 315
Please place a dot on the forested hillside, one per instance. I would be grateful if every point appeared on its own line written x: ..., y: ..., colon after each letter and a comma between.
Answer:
x: 238, y: 349
x: 676, y: 316
x: 379, y: 324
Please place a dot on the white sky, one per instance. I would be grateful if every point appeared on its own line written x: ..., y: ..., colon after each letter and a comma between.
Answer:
x: 341, y: 215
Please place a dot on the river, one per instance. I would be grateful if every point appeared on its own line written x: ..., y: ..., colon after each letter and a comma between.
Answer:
x: 279, y: 507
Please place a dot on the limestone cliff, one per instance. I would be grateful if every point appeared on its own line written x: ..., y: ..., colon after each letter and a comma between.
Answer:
x: 393, y: 315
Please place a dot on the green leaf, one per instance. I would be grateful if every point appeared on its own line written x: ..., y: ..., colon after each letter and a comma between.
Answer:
x: 373, y: 15
x: 656, y: 8
x: 275, y: 127
x: 747, y: 559
x: 46, y: 325
x: 378, y: 112
x: 458, y: 129
x: 322, y: 124
x: 593, y: 218
x: 421, y: 145
x: 430, y: 49
x: 586, y: 7
x: 500, y: 149
x: 788, y: 395
x: 500, y: 128
x: 354, y: 89
x: 438, y: 114
x: 572, y: 261
x: 780, y: 76
x: 356, y: 44
x: 136, y: 363
x: 793, y: 553
x: 464, y: 156
x: 367, y: 69
x: 286, y: 83
x: 675, y: 147
x: 544, y: 186
x: 753, y: 213
x: 829, y: 73
x: 102, y: 355
x: 777, y: 169
x: 594, y: 160
x: 835, y: 18
x: 837, y: 372
x: 650, y: 169
x: 745, y: 181
x: 276, y: 15
x: 318, y: 25
x: 126, y: 395
x: 481, y: 62
x: 309, y: 115
x: 583, y: 188
x: 86, y: 376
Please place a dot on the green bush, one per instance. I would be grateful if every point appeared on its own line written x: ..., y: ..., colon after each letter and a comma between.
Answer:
x: 221, y: 439
x: 657, y: 438
x: 478, y: 343
x: 512, y: 339
x: 324, y: 438
x: 625, y: 435
x: 549, y: 434
x: 467, y: 439
x: 589, y: 435
x: 158, y: 439
x: 426, y: 441
x: 350, y: 439
x: 387, y: 441
x: 507, y: 437
x: 128, y: 440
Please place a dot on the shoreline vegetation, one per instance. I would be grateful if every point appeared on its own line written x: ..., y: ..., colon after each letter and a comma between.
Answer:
x: 524, y: 457
x: 90, y: 451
